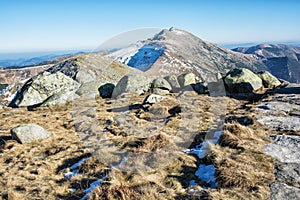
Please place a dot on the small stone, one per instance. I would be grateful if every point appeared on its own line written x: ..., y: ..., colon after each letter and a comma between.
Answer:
x: 29, y: 133
x: 153, y: 98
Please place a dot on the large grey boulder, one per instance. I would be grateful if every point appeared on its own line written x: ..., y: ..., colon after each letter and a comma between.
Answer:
x: 43, y: 86
x: 29, y: 133
x: 285, y: 148
x: 242, y: 81
x: 281, y: 191
x: 288, y: 173
x: 137, y: 84
x: 269, y: 81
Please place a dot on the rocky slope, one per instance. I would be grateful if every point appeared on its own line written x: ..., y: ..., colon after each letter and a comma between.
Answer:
x: 174, y: 51
x: 282, y: 60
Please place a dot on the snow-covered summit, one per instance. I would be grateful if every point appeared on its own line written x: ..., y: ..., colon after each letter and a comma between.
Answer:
x: 175, y: 51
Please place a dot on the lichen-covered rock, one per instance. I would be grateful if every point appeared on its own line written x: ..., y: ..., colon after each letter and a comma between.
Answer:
x: 137, y: 84
x: 186, y: 79
x: 90, y: 89
x: 269, y: 81
x: 60, y: 98
x: 161, y: 84
x: 28, y: 133
x: 242, y: 81
x: 41, y: 87
x: 172, y: 80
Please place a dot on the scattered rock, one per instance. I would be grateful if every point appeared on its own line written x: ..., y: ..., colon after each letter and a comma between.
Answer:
x: 137, y: 84
x: 242, y: 81
x: 285, y: 148
x: 276, y: 123
x: 43, y: 86
x: 186, y: 79
x: 106, y: 90
x: 269, y: 81
x: 161, y: 84
x: 29, y: 133
x: 281, y: 191
x: 153, y: 98
x: 172, y: 80
x: 288, y: 173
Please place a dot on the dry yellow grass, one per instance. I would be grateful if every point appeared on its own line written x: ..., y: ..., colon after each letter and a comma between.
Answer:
x: 36, y: 170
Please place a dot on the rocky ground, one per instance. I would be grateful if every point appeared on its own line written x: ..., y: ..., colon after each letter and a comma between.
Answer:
x: 92, y: 128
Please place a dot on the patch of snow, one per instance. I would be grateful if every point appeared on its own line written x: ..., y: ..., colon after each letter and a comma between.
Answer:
x: 92, y: 187
x: 146, y: 56
x: 74, y: 168
x: 98, y: 183
x: 193, y: 191
x: 123, y: 55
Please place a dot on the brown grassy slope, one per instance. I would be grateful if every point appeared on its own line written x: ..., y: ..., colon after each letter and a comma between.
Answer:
x: 36, y: 171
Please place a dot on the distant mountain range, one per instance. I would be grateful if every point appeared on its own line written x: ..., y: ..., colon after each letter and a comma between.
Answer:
x: 281, y: 60
x: 39, y: 60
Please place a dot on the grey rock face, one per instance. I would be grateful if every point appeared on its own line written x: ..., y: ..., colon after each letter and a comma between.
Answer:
x: 60, y: 98
x: 43, y: 86
x: 137, y: 84
x: 159, y: 91
x: 285, y: 148
x: 281, y: 191
x: 280, y: 123
x: 29, y: 132
x: 242, y: 81
x: 288, y: 173
x: 89, y: 89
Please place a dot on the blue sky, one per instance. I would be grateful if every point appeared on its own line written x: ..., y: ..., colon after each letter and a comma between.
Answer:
x: 44, y: 25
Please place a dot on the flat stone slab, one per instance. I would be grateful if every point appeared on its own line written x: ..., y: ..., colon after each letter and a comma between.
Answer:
x: 276, y: 107
x: 288, y: 173
x: 28, y: 133
x: 291, y: 123
x: 282, y: 191
x: 285, y: 148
